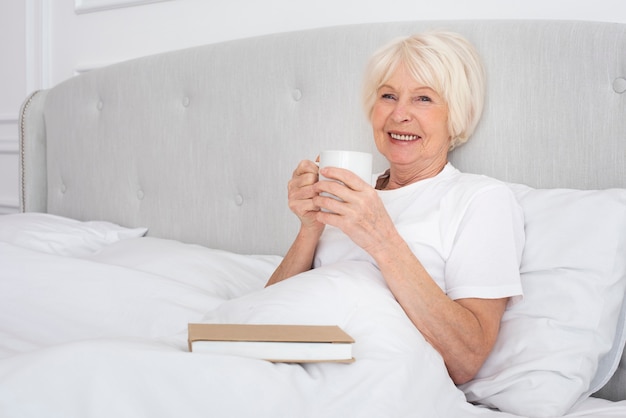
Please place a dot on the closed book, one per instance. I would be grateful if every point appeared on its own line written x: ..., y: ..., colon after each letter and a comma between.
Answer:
x: 277, y: 343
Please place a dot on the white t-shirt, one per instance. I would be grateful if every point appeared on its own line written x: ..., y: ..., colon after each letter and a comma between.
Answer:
x: 466, y: 230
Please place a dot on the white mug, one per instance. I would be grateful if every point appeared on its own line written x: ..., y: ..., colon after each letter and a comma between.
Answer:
x: 360, y: 163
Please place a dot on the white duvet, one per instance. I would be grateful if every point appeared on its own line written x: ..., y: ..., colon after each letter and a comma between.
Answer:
x: 105, y: 336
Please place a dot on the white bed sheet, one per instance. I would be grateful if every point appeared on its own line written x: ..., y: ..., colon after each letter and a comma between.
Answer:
x: 105, y: 336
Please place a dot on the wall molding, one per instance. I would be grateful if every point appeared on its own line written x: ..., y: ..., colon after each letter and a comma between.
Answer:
x: 38, y: 35
x: 88, y: 6
x: 8, y: 118
x: 8, y: 205
x: 9, y: 146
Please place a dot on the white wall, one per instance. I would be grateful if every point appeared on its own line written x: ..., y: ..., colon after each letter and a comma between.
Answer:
x: 43, y: 42
x: 92, y: 39
x: 12, y: 91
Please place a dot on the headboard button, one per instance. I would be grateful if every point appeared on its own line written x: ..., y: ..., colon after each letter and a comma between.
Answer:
x: 239, y: 200
x: 100, y: 105
x: 186, y: 101
x: 619, y: 85
x: 140, y: 194
x: 296, y: 94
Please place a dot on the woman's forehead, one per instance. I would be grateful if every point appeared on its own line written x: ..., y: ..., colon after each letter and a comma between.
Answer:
x: 422, y: 75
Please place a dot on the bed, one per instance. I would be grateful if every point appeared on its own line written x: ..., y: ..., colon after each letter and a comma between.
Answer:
x: 153, y: 194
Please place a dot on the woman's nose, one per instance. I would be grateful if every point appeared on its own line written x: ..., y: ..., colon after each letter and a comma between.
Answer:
x: 401, y: 113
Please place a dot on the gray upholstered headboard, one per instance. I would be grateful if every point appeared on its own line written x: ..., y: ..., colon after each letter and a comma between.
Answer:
x: 198, y: 144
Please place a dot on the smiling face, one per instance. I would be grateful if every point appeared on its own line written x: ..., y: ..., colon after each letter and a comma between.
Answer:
x: 424, y: 95
x: 410, y: 126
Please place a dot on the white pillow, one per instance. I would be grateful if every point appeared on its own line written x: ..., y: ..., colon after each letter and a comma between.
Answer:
x: 223, y: 274
x: 562, y: 341
x: 59, y: 235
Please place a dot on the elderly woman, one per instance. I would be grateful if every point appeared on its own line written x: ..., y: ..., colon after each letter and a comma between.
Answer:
x: 448, y: 244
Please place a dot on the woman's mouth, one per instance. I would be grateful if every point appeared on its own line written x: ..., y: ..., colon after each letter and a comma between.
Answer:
x: 404, y: 137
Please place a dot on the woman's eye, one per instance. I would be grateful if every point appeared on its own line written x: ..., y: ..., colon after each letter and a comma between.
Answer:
x: 388, y: 96
x: 423, y: 99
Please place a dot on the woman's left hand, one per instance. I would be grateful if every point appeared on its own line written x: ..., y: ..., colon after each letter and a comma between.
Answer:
x: 360, y: 213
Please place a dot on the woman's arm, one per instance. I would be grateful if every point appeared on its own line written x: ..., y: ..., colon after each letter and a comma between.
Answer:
x: 299, y: 258
x: 464, y: 330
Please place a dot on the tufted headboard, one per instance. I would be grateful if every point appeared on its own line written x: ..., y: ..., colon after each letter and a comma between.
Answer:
x: 198, y: 144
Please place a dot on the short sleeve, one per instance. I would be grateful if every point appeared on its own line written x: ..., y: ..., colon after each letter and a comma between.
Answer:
x: 486, y: 248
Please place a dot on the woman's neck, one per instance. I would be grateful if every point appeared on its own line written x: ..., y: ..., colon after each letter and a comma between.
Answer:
x: 395, y: 178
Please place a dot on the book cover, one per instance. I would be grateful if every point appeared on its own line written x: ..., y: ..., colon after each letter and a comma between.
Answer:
x: 278, y: 343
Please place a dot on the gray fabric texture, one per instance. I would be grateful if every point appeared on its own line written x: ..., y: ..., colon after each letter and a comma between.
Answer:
x: 32, y: 162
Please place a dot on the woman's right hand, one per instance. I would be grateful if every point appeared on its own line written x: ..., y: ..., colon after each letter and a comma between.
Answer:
x: 301, y: 194
x: 299, y: 257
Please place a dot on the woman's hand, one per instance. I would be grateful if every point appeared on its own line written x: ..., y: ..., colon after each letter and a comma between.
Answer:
x: 301, y: 193
x: 360, y: 213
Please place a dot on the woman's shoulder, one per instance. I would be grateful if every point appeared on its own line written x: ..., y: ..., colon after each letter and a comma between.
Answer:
x: 468, y: 185
x: 484, y: 197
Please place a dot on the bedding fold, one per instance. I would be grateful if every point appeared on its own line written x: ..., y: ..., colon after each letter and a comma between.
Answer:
x: 71, y: 326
